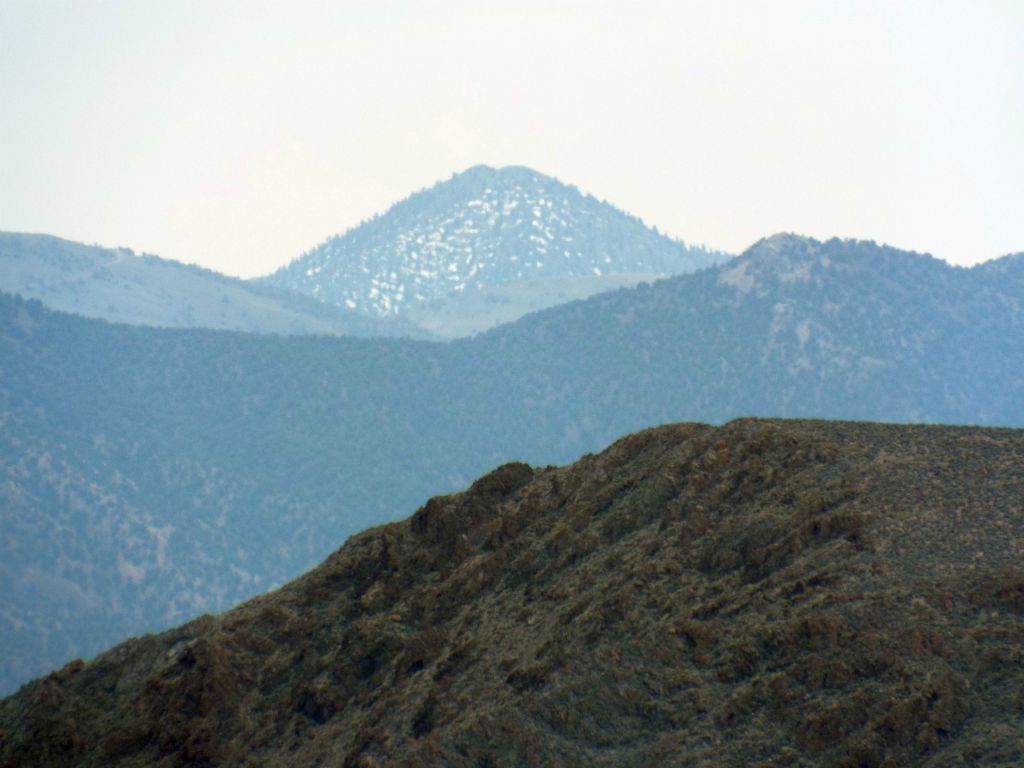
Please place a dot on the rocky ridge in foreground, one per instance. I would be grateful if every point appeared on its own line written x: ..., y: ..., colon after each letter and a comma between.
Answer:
x: 772, y: 593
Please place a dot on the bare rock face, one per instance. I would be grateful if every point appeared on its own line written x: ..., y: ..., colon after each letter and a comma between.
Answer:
x: 766, y: 593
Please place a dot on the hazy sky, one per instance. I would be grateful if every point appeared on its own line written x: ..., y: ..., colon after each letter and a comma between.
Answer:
x: 238, y: 134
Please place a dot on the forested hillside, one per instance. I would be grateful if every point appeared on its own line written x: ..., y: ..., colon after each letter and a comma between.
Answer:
x: 151, y: 475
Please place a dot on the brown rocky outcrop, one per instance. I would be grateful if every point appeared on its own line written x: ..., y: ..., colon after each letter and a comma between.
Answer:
x: 765, y: 593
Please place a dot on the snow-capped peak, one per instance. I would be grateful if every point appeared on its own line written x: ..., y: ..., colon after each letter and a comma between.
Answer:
x: 482, y: 228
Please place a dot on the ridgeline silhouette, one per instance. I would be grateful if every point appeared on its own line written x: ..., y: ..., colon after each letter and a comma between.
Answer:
x: 766, y: 593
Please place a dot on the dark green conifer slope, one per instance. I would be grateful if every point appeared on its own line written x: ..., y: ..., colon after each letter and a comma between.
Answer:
x: 149, y: 476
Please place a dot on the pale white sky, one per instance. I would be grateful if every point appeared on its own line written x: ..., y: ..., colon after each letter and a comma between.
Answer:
x: 237, y: 134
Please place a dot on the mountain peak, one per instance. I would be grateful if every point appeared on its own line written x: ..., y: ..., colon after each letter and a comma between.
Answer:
x: 784, y: 257
x: 787, y: 258
x: 483, y: 228
x: 502, y: 172
x: 480, y: 179
x: 781, y: 243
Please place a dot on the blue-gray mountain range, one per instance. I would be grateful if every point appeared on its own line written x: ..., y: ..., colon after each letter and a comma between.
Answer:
x: 148, y: 475
x: 480, y: 249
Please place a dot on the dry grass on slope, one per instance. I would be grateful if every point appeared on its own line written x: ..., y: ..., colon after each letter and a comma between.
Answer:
x: 767, y: 593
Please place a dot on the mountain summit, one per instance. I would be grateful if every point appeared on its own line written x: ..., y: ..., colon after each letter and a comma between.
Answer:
x: 485, y: 228
x: 785, y: 260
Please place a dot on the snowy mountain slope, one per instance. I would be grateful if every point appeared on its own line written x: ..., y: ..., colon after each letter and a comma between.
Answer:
x: 482, y: 229
x: 115, y: 284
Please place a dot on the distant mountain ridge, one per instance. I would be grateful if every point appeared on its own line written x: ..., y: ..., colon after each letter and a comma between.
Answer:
x: 796, y: 327
x: 482, y: 229
x: 117, y: 285
x: 186, y: 469
x: 476, y: 251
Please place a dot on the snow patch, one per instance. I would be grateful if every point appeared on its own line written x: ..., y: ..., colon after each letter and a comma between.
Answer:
x: 738, y: 278
x: 803, y: 332
x: 161, y: 534
x: 801, y: 274
x: 130, y: 571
